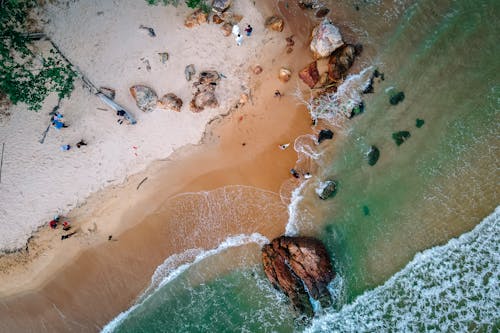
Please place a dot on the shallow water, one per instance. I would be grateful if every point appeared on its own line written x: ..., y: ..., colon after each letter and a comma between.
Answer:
x: 437, y: 185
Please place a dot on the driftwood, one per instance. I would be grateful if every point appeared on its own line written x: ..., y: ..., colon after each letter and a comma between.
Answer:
x: 1, y: 161
x: 142, y: 181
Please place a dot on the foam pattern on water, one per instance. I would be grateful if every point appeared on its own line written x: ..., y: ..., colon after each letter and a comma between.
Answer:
x: 450, y: 288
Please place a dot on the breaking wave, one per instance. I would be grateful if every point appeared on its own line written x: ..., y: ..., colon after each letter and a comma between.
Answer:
x: 449, y: 288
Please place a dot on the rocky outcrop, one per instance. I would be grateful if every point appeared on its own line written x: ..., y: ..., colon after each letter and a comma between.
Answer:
x: 340, y: 61
x: 285, y: 74
x: 275, y: 23
x: 145, y: 97
x: 221, y: 5
x: 327, y: 189
x: 310, y: 74
x: 170, y: 102
x: 196, y: 18
x: 326, y: 38
x: 300, y: 267
x: 325, y: 134
x: 205, y: 91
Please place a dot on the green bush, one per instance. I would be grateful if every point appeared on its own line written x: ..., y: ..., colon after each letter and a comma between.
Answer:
x: 25, y: 76
x: 202, y: 4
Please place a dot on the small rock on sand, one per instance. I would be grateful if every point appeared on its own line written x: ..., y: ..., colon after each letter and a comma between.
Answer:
x: 170, y: 102
x: 285, y: 74
x: 145, y: 97
x: 275, y: 23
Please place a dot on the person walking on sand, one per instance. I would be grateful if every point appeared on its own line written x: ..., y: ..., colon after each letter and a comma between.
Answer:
x: 81, y: 143
x: 239, y: 40
x: 249, y: 30
x: 236, y: 30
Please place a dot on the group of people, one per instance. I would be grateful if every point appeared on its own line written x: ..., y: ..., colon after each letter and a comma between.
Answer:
x: 58, y: 122
x: 239, y: 37
x: 78, y: 145
x: 55, y: 222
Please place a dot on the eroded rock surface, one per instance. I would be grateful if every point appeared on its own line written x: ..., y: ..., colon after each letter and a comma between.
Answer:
x: 204, y: 95
x: 310, y: 74
x: 293, y: 264
x: 145, y: 97
x: 170, y: 102
x: 326, y: 38
x: 275, y: 23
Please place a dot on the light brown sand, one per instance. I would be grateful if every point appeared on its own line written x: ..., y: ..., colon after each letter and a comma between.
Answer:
x: 74, y: 286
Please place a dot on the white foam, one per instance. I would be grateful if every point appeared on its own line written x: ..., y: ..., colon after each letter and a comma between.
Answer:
x: 449, y: 288
x: 167, y: 271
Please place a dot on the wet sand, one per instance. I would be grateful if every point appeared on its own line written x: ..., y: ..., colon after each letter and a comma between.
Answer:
x: 85, y: 281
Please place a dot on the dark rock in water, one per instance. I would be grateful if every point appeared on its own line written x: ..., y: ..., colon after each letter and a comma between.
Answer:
x: 369, y: 88
x: 328, y: 189
x: 359, y: 109
x: 400, y: 137
x: 341, y: 60
x: 419, y: 123
x: 397, y: 98
x: 301, y: 268
x: 373, y: 155
x: 325, y: 134
x: 366, y: 210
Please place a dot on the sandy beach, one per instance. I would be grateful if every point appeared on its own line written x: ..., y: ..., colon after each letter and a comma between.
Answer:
x: 148, y: 198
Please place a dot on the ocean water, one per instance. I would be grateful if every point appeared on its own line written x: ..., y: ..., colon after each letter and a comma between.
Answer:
x: 389, y: 227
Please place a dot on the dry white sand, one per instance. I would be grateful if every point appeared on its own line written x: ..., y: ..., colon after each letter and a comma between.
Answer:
x: 102, y: 37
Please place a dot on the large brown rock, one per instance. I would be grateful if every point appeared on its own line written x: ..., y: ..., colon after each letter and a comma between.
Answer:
x: 170, y: 102
x: 290, y: 263
x: 310, y: 74
x: 285, y: 74
x: 204, y: 95
x: 145, y: 97
x: 326, y: 38
x: 227, y: 29
x: 340, y: 61
x: 196, y: 18
x: 275, y: 23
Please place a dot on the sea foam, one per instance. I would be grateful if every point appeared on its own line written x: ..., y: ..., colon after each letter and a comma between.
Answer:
x: 449, y: 288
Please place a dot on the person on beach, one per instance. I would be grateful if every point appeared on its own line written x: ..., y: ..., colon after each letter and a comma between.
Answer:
x: 294, y: 173
x: 65, y: 147
x: 239, y: 40
x: 121, y: 114
x: 284, y: 146
x: 249, y: 30
x: 277, y: 93
x: 66, y: 226
x: 81, y: 143
x: 307, y: 175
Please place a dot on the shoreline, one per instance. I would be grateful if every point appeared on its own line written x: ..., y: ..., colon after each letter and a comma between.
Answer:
x: 232, y: 149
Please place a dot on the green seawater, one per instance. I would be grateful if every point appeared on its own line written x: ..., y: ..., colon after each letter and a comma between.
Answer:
x: 438, y: 184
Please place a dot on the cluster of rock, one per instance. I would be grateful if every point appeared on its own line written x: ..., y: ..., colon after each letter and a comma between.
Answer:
x: 300, y: 267
x: 204, y: 95
x: 147, y: 100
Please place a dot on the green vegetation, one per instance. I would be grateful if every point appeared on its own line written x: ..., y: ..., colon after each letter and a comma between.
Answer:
x: 202, y: 4
x: 400, y: 137
x: 419, y: 123
x: 26, y: 75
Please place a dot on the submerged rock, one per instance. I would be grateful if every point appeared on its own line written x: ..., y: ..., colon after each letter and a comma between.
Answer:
x: 397, y: 98
x: 400, y: 137
x: 170, y: 102
x: 145, y: 97
x: 275, y: 23
x: 325, y: 134
x: 327, y: 189
x: 310, y: 74
x: 373, y: 155
x: 326, y: 38
x: 419, y: 123
x: 300, y: 267
x: 340, y: 61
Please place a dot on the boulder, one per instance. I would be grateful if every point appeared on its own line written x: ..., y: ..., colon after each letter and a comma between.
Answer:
x: 196, y: 18
x: 400, y: 137
x: 257, y: 69
x: 203, y: 99
x: 145, y: 97
x: 275, y: 23
x: 231, y: 17
x: 227, y: 29
x: 310, y: 74
x: 325, y: 134
x: 327, y: 189
x: 209, y: 78
x: 326, y: 38
x: 221, y: 5
x: 170, y: 102
x: 340, y: 61
x: 285, y: 74
x: 373, y: 155
x: 300, y: 267
x: 307, y: 4
x: 189, y: 71
x: 217, y: 19
x: 322, y: 12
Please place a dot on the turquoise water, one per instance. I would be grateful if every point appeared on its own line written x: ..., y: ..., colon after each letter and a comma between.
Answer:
x: 439, y: 184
